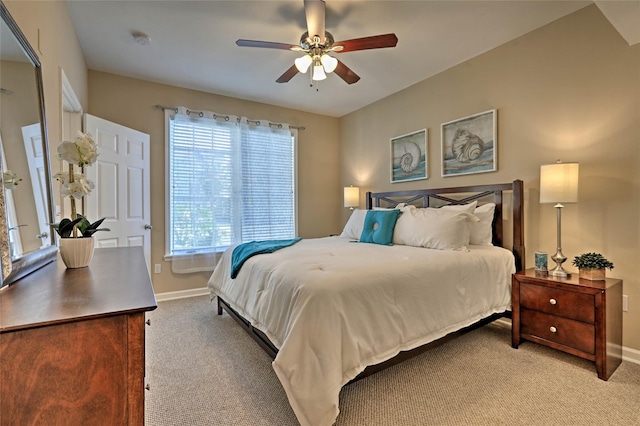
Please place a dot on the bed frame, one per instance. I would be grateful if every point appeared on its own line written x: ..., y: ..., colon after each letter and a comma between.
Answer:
x: 431, y: 198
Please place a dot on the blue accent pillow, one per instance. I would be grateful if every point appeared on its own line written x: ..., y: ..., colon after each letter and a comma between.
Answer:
x: 378, y: 226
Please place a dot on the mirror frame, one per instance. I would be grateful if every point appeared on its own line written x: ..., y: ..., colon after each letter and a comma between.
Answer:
x: 14, y: 269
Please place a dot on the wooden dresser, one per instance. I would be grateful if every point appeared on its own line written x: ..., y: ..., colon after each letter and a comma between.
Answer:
x: 577, y: 316
x: 72, y: 342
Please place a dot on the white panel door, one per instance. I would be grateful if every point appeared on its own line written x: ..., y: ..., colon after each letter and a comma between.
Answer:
x: 121, y: 176
x: 32, y: 137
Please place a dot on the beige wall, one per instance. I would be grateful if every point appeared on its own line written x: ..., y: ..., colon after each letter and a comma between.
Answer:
x: 570, y: 91
x: 48, y: 27
x: 129, y: 102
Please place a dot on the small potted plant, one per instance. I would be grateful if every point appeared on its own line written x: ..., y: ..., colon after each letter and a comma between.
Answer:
x: 76, y: 233
x: 591, y: 266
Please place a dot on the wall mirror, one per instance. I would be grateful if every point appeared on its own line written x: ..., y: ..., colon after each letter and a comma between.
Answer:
x: 27, y: 239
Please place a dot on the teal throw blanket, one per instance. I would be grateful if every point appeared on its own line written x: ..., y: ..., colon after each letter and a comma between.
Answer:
x: 244, y: 251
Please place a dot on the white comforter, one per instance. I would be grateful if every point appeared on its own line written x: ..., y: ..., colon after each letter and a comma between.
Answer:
x: 333, y: 307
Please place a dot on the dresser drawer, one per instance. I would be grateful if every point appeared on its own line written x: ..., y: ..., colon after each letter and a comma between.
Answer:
x: 567, y: 304
x: 574, y: 334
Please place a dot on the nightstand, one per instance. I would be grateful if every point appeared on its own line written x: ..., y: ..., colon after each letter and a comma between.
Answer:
x: 577, y: 316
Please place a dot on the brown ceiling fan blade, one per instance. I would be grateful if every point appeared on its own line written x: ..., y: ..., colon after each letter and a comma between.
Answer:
x: 345, y: 73
x: 315, y: 13
x: 266, y: 44
x: 288, y: 75
x: 364, y: 43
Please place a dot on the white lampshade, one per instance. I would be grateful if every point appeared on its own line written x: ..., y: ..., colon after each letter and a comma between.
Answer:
x: 303, y: 63
x: 351, y: 196
x: 329, y: 63
x: 318, y: 72
x: 559, y: 183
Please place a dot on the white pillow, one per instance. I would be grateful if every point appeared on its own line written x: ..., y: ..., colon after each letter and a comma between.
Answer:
x: 397, y: 207
x: 353, y: 228
x: 482, y: 231
x: 433, y: 228
x: 467, y: 208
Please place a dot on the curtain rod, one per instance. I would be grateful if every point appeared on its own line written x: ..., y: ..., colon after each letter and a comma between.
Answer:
x: 226, y: 117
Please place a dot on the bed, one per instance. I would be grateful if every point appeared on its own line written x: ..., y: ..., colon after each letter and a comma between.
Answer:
x: 332, y: 310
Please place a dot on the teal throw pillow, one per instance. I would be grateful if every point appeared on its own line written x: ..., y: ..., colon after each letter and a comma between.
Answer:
x: 378, y: 226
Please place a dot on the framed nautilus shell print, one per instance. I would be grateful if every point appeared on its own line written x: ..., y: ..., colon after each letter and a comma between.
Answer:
x: 409, y: 157
x: 470, y: 144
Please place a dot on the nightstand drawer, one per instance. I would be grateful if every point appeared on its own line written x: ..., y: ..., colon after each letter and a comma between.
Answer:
x: 574, y: 334
x: 567, y: 304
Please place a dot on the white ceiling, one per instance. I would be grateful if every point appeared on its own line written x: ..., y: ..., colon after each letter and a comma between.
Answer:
x: 193, y: 43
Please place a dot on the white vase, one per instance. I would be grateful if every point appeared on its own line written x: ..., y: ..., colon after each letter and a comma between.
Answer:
x: 76, y: 252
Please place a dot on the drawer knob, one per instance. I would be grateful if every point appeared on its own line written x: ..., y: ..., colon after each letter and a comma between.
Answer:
x: 148, y: 322
x: 147, y: 386
x: 553, y: 329
x: 553, y: 301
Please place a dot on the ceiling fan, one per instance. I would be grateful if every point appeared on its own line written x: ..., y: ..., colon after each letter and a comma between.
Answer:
x: 317, y: 44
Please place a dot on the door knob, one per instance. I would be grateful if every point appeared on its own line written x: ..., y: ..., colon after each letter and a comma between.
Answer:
x: 43, y: 235
x: 148, y: 227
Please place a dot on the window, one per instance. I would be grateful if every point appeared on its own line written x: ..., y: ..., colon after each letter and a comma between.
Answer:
x: 229, y: 181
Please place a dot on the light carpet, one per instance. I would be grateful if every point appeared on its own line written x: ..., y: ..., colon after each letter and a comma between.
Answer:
x: 203, y: 369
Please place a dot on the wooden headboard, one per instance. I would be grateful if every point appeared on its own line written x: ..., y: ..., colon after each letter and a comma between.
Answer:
x: 462, y: 195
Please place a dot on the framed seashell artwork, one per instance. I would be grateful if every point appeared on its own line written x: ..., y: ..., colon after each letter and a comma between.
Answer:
x: 409, y: 157
x: 470, y: 144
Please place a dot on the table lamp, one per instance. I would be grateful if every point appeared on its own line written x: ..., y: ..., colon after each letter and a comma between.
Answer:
x: 559, y: 184
x: 351, y: 196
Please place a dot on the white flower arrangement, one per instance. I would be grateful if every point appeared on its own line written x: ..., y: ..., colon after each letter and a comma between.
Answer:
x: 78, y: 188
x: 10, y: 179
x: 81, y: 152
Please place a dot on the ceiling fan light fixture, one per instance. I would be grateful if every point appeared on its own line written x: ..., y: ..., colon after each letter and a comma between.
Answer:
x: 318, y: 72
x: 329, y: 63
x: 303, y: 63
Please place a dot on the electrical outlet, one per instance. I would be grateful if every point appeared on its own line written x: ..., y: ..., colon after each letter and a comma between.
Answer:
x: 157, y: 268
x: 625, y: 303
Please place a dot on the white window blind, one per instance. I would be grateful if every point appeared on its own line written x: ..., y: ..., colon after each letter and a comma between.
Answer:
x: 229, y: 181
x: 267, y: 184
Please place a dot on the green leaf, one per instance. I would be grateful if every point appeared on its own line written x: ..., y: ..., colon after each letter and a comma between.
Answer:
x: 96, y: 224
x: 593, y: 261
x: 65, y: 227
x: 87, y: 229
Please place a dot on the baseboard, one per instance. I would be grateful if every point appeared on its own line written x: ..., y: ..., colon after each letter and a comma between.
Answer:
x: 631, y: 355
x: 503, y: 323
x: 182, y: 294
x: 628, y: 354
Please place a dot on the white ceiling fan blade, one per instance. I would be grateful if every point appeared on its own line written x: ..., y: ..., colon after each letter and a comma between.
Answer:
x: 315, y: 13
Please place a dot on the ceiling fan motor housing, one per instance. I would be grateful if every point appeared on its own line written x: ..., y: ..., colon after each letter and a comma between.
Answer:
x: 307, y: 43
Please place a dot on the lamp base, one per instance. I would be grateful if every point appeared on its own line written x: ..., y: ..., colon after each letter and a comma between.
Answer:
x: 559, y: 258
x: 559, y: 272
